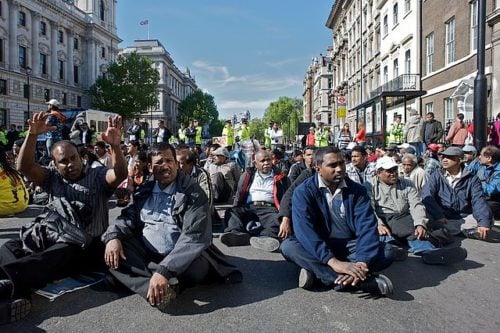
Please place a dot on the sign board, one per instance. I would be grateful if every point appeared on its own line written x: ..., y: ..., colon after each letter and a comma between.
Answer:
x: 221, y: 140
x: 341, y: 106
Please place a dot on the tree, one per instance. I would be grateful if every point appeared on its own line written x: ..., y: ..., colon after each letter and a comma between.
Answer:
x: 257, y: 127
x: 200, y: 106
x: 287, y: 112
x: 128, y: 88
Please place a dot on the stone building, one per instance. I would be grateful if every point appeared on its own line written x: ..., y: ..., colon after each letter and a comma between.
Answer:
x: 173, y: 87
x: 52, y: 49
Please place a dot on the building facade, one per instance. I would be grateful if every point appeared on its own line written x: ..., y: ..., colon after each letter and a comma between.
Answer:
x: 173, y: 87
x: 52, y: 49
x: 449, y: 36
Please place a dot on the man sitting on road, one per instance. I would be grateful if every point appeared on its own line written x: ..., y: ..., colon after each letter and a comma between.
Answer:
x: 401, y: 215
x: 297, y: 168
x: 255, y: 209
x: 335, y: 231
x: 163, y: 241
x: 454, y: 199
x: 360, y: 170
x: 412, y: 171
x: 36, y: 262
x: 224, y: 175
x: 487, y: 169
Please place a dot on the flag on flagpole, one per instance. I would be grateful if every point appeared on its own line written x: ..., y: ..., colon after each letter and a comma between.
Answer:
x: 145, y: 22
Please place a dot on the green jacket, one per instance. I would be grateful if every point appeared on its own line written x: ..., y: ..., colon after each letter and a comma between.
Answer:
x: 228, y: 132
x: 321, y: 137
x: 197, y: 138
x: 396, y: 133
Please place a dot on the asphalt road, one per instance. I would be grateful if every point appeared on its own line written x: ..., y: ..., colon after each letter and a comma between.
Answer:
x: 459, y: 298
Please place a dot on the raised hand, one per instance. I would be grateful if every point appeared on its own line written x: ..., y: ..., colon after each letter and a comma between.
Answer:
x: 38, y: 125
x: 113, y: 133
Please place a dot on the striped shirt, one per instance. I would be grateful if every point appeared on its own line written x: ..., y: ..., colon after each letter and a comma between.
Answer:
x: 91, y: 189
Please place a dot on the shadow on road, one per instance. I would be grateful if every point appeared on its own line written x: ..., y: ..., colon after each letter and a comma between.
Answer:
x: 262, y: 279
x: 413, y: 274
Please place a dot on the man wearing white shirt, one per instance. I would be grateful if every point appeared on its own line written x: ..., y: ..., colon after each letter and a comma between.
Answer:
x: 161, y: 134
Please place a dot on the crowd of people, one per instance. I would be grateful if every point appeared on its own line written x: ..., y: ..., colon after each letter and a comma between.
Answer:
x: 341, y: 212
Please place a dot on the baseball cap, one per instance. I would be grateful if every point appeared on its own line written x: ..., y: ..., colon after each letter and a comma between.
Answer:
x: 386, y: 163
x: 453, y: 151
x: 221, y: 152
x: 469, y: 149
x: 53, y: 102
x: 404, y: 145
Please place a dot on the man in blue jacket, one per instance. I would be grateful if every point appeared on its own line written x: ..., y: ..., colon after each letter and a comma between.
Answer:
x: 336, y: 238
x: 454, y: 198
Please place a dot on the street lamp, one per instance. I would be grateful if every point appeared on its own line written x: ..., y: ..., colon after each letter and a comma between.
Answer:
x: 28, y: 95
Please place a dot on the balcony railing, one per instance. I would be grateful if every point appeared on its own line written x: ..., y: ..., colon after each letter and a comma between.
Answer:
x: 401, y: 83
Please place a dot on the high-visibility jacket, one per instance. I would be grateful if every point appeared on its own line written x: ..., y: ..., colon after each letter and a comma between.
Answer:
x: 181, y: 134
x: 321, y: 137
x: 197, y: 138
x: 228, y: 132
x: 396, y: 133
x: 3, y: 137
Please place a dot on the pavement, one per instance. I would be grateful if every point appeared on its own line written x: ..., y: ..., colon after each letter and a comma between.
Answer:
x: 460, y: 298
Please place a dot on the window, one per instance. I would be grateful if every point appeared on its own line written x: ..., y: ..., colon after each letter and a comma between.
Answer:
x: 43, y: 28
x: 386, y: 75
x: 450, y: 41
x: 448, y: 109
x: 385, y: 28
x: 1, y: 9
x: 21, y: 19
x: 103, y: 52
x: 60, y: 68
x: 26, y: 91
x: 46, y: 94
x: 1, y: 50
x: 395, y: 68
x: 395, y: 14
x: 3, y: 117
x: 473, y: 25
x: 429, y: 52
x: 3, y: 87
x: 408, y: 62
x: 64, y: 98
x: 429, y: 107
x: 79, y: 101
x: 43, y: 63
x: 75, y: 43
x: 60, y: 36
x: 101, y: 10
x: 407, y: 6
x: 22, y: 57
x: 76, y: 74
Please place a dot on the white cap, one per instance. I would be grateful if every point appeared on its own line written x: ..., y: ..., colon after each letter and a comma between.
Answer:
x: 386, y: 163
x: 53, y: 102
x: 404, y: 145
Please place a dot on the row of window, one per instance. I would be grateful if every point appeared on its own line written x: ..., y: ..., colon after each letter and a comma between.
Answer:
x: 23, y: 63
x: 46, y: 93
x: 449, y: 43
x: 395, y: 16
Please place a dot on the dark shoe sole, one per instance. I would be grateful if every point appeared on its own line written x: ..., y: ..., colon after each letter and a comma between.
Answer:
x: 235, y: 239
x: 445, y: 256
x: 14, y: 310
x: 170, y: 295
x: 265, y: 243
x: 379, y: 285
x: 306, y: 279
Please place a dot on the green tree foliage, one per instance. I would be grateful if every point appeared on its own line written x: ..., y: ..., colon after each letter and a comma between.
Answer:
x: 200, y: 106
x: 257, y: 127
x: 129, y: 87
x: 287, y: 112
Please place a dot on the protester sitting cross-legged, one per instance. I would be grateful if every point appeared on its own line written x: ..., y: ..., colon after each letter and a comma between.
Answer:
x: 65, y: 241
x: 162, y: 242
x: 335, y: 237
x: 454, y: 199
x: 402, y: 218
x: 254, y: 216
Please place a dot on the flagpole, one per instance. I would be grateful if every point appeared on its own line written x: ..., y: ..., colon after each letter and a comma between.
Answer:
x: 148, y: 30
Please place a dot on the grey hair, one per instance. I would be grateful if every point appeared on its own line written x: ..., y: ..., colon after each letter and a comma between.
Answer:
x: 412, y: 157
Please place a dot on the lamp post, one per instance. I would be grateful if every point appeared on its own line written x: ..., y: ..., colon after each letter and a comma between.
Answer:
x: 28, y: 73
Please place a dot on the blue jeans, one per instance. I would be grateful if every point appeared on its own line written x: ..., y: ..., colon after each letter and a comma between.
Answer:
x: 294, y: 251
x: 416, y: 246
x: 418, y: 146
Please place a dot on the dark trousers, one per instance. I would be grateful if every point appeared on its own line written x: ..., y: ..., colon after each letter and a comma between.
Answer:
x: 140, y: 265
x: 33, y: 271
x: 255, y: 220
x: 221, y: 190
x: 294, y: 251
x: 495, y: 208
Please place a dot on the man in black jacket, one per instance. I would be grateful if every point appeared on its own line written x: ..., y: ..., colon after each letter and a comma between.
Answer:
x: 163, y: 241
x: 432, y: 129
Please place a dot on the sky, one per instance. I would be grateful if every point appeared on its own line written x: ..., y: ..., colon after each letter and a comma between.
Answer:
x: 245, y: 53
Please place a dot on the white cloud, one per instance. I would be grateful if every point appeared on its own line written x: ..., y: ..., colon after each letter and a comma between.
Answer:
x: 261, y: 104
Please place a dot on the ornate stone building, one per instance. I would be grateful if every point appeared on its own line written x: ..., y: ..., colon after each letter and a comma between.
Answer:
x: 52, y: 49
x: 173, y: 86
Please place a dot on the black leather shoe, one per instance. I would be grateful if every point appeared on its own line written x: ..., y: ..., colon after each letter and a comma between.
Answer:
x: 444, y: 256
x: 377, y: 284
x: 6, y: 288
x: 491, y: 237
x: 235, y: 239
